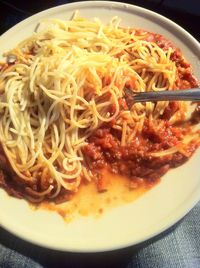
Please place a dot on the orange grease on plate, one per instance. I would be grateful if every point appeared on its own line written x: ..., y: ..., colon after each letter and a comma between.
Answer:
x: 89, y: 202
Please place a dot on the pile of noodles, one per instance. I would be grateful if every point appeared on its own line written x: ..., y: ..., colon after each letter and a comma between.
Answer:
x: 60, y: 88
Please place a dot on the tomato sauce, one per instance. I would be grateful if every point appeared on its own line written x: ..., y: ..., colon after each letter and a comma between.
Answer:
x: 135, y: 160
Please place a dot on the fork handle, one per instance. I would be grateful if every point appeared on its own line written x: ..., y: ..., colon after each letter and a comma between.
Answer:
x: 176, y: 95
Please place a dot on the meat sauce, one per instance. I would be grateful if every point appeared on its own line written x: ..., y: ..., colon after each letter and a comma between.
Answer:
x: 135, y: 161
x: 185, y: 78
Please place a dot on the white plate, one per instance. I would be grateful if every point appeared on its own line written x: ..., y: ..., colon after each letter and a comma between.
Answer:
x: 132, y: 223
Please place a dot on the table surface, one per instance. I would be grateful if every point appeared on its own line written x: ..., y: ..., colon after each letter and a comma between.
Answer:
x: 11, y: 13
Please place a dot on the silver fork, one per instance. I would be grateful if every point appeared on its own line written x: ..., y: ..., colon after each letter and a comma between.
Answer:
x: 132, y: 97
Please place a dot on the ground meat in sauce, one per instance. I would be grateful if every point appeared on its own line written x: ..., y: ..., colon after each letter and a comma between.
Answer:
x: 195, y: 117
x: 134, y: 160
x: 9, y: 186
x: 185, y: 78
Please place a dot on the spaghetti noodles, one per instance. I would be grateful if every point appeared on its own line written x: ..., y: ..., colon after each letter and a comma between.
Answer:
x: 62, y: 113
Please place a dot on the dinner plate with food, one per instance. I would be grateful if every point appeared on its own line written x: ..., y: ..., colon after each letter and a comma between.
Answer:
x: 81, y: 169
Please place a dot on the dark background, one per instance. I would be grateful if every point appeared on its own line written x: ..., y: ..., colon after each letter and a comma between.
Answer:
x: 184, y: 12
